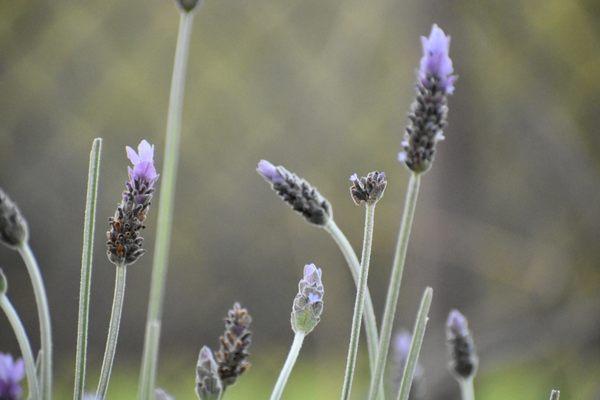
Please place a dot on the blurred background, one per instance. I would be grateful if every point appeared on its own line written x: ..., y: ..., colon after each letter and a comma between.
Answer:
x: 507, y: 227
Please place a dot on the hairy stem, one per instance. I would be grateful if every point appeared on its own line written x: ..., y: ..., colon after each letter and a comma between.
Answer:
x: 415, y: 345
x: 165, y: 209
x: 288, y: 366
x: 359, y: 304
x: 23, y: 340
x: 87, y: 256
x: 467, y: 391
x: 44, y: 316
x: 394, y: 285
x: 113, y: 331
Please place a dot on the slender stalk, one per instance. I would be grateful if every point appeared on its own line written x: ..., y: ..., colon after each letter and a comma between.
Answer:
x: 87, y: 256
x: 467, y: 391
x: 113, y: 331
x: 415, y: 346
x: 165, y: 208
x: 394, y: 285
x: 359, y: 304
x: 354, y: 266
x: 44, y: 316
x: 23, y: 340
x: 554, y: 394
x: 288, y: 366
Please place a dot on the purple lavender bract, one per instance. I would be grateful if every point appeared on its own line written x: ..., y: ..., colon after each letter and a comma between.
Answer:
x: 436, y: 62
x: 12, y: 373
x: 124, y: 241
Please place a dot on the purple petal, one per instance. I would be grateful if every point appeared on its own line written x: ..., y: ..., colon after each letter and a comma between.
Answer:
x: 269, y: 171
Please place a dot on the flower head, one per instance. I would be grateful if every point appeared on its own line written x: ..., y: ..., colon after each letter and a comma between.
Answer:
x: 124, y: 240
x: 13, y: 227
x: 208, y: 383
x: 232, y: 357
x: 308, y: 303
x: 436, y: 65
x: 298, y: 193
x: 463, y: 359
x: 12, y: 373
x: 368, y: 189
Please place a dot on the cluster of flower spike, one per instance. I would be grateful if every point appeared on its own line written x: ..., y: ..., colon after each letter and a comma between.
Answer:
x: 124, y: 240
x: 427, y: 117
x: 215, y: 372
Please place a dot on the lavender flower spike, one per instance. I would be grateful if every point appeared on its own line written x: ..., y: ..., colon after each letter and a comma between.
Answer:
x: 11, y: 374
x: 368, y: 189
x: 298, y: 193
x: 463, y: 358
x: 232, y: 357
x: 308, y: 303
x: 208, y: 383
x: 429, y: 111
x: 124, y: 240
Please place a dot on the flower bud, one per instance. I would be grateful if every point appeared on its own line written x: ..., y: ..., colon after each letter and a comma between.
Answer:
x: 463, y: 359
x: 208, y: 383
x: 232, y: 357
x: 308, y: 303
x: 368, y: 189
x: 298, y: 193
x: 13, y: 227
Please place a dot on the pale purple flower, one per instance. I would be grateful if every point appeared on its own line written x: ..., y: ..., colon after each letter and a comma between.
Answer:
x: 12, y: 373
x: 436, y: 62
x: 402, y: 347
x: 208, y: 383
x: 143, y: 163
x: 457, y: 323
x: 269, y: 172
x: 463, y: 360
x: 308, y: 303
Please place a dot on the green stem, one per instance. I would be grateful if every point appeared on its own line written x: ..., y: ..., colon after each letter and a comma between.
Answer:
x: 87, y: 256
x: 44, y: 316
x: 415, y: 346
x: 467, y: 391
x: 165, y: 209
x: 394, y: 285
x: 359, y: 304
x: 113, y: 331
x: 288, y: 366
x: 23, y: 340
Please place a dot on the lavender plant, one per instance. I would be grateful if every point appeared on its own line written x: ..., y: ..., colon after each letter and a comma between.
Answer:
x: 462, y: 356
x: 124, y: 244
x: 306, y: 314
x: 12, y: 373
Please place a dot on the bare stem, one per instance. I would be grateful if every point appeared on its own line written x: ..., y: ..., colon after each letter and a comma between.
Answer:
x: 87, y: 256
x: 24, y: 345
x: 394, y: 285
x: 113, y: 331
x: 288, y: 366
x: 165, y: 209
x: 360, y: 301
x: 467, y: 391
x: 44, y: 316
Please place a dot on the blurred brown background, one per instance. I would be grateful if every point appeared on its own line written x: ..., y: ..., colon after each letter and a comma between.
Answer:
x: 507, y: 227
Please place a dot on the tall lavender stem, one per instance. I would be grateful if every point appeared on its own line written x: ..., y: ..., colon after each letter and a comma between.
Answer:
x: 360, y: 301
x: 394, y: 285
x: 44, y: 317
x: 113, y: 331
x: 22, y: 339
x: 288, y: 366
x: 86, y: 268
x: 415, y: 345
x: 467, y: 390
x: 165, y: 209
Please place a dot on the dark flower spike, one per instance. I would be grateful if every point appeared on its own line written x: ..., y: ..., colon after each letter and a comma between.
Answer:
x: 233, y: 354
x: 13, y: 227
x: 124, y: 240
x: 428, y: 114
x: 208, y: 383
x: 368, y: 189
x: 12, y: 373
x: 308, y: 303
x: 298, y: 193
x: 461, y: 349
x: 188, y: 5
